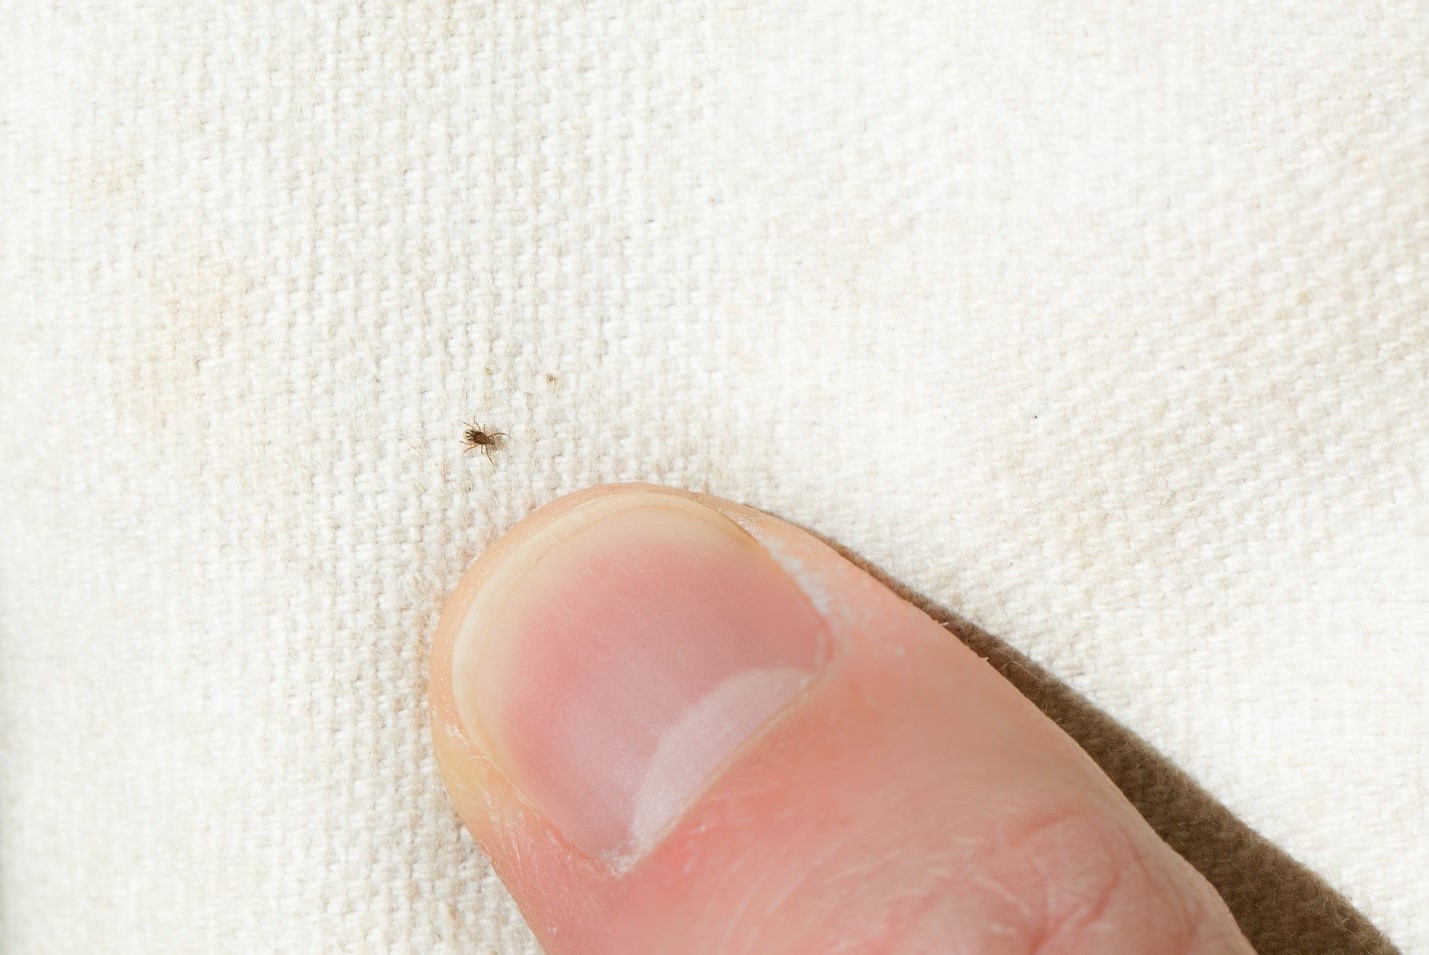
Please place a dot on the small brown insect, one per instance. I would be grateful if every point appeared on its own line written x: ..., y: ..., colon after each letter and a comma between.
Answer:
x: 474, y: 437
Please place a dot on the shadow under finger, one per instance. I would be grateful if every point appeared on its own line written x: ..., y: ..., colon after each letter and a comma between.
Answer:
x: 1282, y: 907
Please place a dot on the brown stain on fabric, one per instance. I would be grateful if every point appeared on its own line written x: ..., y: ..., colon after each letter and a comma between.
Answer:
x: 197, y: 316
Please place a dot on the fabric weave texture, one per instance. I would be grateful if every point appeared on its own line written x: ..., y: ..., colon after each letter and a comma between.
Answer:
x: 1102, y: 326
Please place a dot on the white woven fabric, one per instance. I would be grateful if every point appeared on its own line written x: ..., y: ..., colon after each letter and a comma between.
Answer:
x: 1103, y: 324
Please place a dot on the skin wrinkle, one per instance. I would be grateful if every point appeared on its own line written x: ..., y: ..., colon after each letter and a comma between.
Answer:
x: 943, y: 874
x: 1053, y: 920
x: 737, y: 921
x: 754, y: 926
x: 900, y: 923
x: 1110, y: 846
x: 807, y: 871
x: 832, y: 848
x: 945, y: 879
x: 1078, y: 920
x: 1124, y: 877
x: 1025, y: 846
x: 989, y: 882
x: 939, y: 871
x: 896, y: 934
x: 1039, y: 934
x: 740, y: 921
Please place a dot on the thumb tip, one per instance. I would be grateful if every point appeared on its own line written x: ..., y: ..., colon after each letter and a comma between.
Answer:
x: 692, y: 734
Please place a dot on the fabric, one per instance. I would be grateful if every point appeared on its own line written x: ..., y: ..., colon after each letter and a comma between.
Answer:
x: 1101, y: 328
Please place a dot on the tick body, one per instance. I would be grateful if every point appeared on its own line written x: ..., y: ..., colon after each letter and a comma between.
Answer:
x: 478, y: 438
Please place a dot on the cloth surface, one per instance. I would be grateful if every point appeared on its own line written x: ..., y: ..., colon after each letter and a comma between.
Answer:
x: 1101, y: 326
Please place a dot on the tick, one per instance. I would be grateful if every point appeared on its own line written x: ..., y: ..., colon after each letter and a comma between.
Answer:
x: 474, y: 437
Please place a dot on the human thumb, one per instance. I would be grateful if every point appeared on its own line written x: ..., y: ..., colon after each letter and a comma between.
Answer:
x: 677, y: 725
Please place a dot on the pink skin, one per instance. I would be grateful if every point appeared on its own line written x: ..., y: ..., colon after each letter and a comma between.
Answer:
x: 907, y: 798
x: 712, y: 613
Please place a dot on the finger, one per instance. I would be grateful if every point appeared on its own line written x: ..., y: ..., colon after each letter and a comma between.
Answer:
x: 678, y: 725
